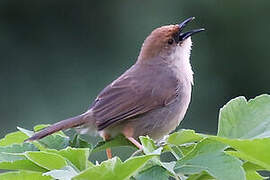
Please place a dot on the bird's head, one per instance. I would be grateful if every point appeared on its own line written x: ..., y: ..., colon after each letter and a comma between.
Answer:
x: 164, y: 41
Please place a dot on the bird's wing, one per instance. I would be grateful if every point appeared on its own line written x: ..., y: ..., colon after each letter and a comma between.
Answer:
x: 133, y: 94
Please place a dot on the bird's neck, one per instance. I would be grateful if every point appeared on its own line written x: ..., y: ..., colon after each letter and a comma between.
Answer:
x: 181, y: 60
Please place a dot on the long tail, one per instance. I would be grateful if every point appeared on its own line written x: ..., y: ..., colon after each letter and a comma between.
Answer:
x: 62, y: 125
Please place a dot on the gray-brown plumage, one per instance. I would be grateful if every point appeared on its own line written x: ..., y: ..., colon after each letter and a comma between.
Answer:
x: 150, y: 98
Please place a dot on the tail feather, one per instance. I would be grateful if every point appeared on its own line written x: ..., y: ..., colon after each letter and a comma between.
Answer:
x: 62, y: 125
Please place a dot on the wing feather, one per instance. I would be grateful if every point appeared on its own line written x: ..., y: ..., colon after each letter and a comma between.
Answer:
x: 132, y: 94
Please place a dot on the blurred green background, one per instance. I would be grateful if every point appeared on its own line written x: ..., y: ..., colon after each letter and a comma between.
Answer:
x: 57, y: 55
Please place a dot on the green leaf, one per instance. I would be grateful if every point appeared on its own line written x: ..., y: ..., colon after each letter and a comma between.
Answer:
x: 23, y: 175
x: 77, y: 156
x: 202, y: 176
x: 115, y: 142
x: 78, y: 142
x: 12, y: 159
x: 47, y: 160
x: 251, y: 171
x: 18, y: 148
x: 251, y: 150
x: 148, y: 145
x: 154, y: 172
x: 114, y: 169
x: 169, y: 166
x: 183, y: 142
x: 176, y: 151
x: 13, y: 138
x: 185, y: 149
x: 181, y: 150
x: 67, y: 173
x: 184, y: 136
x: 26, y: 132
x: 14, y: 152
x: 209, y: 156
x: 242, y: 119
x: 55, y: 141
x: 9, y: 157
x: 23, y: 164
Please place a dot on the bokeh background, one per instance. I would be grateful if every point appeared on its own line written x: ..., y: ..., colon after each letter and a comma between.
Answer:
x: 56, y: 56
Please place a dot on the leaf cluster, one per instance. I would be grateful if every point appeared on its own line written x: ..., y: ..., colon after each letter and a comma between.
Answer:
x: 239, y: 151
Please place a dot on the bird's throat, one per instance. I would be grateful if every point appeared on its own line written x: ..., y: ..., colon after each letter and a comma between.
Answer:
x: 181, y: 60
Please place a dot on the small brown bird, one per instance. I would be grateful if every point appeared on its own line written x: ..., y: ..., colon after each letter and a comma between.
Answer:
x: 151, y: 98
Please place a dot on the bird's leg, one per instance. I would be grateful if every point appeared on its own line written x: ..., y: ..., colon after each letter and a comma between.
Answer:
x: 108, y: 150
x: 128, y: 132
x: 136, y: 143
x: 109, y: 153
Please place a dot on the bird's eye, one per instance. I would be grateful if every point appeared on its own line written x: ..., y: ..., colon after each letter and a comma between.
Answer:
x: 170, y: 41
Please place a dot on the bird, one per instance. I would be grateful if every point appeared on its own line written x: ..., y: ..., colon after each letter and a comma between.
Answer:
x: 149, y: 99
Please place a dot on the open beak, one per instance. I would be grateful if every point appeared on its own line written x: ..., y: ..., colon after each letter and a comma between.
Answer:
x: 183, y: 36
